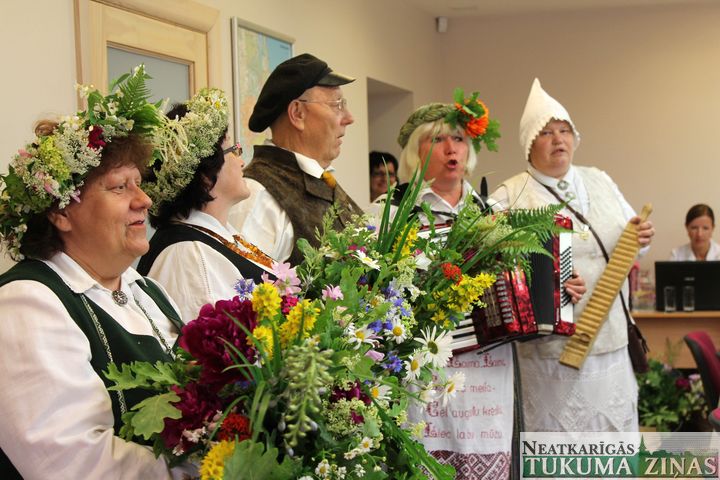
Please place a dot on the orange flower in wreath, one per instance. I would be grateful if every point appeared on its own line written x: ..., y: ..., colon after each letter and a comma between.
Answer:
x: 477, y: 126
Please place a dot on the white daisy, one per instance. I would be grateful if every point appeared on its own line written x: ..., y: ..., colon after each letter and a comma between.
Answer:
x: 323, y: 469
x: 397, y: 332
x: 380, y: 392
x: 357, y: 336
x: 453, y: 384
x: 366, y: 260
x: 437, y: 346
x: 414, y: 365
x: 365, y: 445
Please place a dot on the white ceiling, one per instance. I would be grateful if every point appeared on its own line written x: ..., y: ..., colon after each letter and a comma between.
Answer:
x: 476, y: 8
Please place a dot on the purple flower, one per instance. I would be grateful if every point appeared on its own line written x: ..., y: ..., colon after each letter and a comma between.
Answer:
x: 332, y: 293
x: 205, y: 339
x: 198, y: 406
x: 393, y: 363
x: 376, y: 326
x: 682, y: 383
x: 349, y: 394
x: 244, y: 288
x: 371, y: 228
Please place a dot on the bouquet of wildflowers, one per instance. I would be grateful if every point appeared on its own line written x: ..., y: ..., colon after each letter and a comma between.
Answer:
x: 310, y: 375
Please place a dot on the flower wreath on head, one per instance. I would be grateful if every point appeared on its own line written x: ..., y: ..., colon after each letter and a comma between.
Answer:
x: 50, y: 170
x: 472, y: 116
x: 185, y: 142
x: 468, y: 114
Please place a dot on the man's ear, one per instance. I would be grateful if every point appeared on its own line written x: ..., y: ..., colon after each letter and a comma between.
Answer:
x: 297, y: 113
x: 60, y: 220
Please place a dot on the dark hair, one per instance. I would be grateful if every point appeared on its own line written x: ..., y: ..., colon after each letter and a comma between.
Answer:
x: 197, y: 193
x: 42, y: 240
x: 699, y: 210
x: 380, y: 158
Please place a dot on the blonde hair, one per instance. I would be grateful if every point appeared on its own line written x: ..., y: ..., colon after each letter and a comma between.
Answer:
x: 410, y: 155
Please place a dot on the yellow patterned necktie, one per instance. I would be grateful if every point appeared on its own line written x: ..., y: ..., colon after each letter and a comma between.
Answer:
x: 329, y: 179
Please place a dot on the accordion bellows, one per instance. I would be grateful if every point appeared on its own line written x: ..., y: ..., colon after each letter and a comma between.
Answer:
x: 518, y: 309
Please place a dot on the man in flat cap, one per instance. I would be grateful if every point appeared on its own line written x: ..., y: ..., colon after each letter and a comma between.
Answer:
x: 290, y: 177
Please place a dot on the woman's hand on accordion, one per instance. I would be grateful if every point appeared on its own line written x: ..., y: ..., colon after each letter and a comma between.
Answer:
x: 575, y: 287
x: 645, y: 231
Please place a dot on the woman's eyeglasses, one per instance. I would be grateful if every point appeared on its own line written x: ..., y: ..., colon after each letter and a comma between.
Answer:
x: 234, y: 149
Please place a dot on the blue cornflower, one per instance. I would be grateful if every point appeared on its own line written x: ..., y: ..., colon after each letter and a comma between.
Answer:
x: 376, y: 326
x: 393, y: 363
x: 244, y: 287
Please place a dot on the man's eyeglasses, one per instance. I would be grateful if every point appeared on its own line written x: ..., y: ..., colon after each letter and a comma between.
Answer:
x: 339, y: 105
x: 234, y: 149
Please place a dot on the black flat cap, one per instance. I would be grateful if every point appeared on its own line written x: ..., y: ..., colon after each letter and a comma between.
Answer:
x: 287, y: 82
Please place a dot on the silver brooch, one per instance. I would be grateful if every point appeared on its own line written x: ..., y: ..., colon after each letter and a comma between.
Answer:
x: 563, y: 185
x: 119, y: 297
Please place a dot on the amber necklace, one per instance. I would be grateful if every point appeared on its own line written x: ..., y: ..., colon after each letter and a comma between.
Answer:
x: 251, y: 251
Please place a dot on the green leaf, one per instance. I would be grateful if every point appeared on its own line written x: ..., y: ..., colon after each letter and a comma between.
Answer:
x: 125, y: 378
x: 152, y: 412
x: 251, y: 461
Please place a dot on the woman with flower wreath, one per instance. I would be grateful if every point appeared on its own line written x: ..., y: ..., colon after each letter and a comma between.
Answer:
x: 474, y: 432
x: 72, y: 211
x: 447, y: 137
x: 195, y: 253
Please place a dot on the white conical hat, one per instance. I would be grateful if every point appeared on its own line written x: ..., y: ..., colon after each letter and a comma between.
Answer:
x: 539, y: 110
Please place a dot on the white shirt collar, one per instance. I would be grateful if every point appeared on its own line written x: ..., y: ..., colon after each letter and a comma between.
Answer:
x: 438, y: 203
x: 78, y: 279
x: 206, y: 220
x: 306, y: 164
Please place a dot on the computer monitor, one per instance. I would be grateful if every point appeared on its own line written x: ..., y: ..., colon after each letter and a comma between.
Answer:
x: 704, y: 276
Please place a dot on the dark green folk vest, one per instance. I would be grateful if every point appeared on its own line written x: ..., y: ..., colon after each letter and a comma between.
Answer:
x: 304, y: 198
x: 124, y: 346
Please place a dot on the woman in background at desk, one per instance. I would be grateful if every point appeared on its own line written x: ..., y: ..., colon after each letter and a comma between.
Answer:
x: 700, y: 223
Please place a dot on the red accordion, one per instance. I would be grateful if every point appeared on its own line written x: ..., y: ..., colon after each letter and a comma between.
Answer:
x: 518, y: 309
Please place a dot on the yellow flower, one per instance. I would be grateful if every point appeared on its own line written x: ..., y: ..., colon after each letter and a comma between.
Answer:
x: 304, y: 312
x: 266, y: 301
x: 441, y: 318
x: 52, y: 157
x: 264, y: 336
x: 409, y: 242
x: 213, y: 464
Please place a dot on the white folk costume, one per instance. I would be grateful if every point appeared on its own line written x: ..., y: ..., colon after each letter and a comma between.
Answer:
x: 196, y: 267
x: 67, y: 432
x: 602, y: 395
x: 684, y: 253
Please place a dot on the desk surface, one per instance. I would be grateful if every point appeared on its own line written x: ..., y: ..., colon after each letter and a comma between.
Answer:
x: 694, y: 314
x: 660, y: 327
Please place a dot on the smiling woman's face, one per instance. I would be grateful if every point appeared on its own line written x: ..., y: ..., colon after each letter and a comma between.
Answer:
x: 108, y: 225
x: 553, y: 149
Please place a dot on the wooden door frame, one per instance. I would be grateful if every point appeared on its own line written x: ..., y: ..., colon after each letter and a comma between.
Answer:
x: 183, y: 13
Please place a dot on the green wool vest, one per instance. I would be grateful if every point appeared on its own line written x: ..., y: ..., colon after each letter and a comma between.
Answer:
x: 304, y: 198
x: 124, y: 346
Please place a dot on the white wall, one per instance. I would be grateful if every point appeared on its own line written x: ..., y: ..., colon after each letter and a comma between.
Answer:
x: 360, y: 38
x: 642, y: 86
